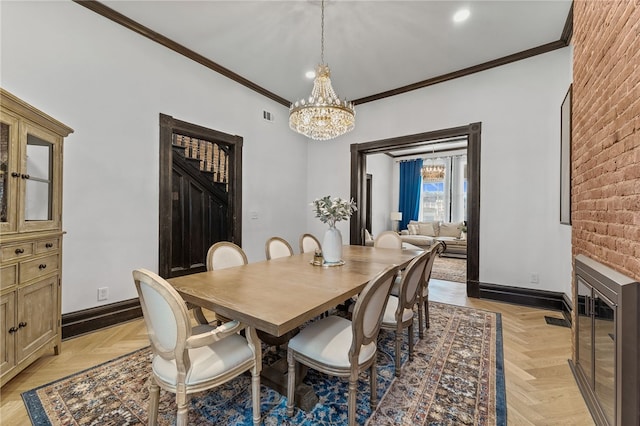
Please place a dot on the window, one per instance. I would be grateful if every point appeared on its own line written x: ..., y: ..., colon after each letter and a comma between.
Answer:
x: 444, y: 189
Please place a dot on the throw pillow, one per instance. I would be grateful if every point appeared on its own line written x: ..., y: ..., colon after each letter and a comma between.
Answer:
x: 412, y: 228
x: 427, y: 228
x: 453, y: 229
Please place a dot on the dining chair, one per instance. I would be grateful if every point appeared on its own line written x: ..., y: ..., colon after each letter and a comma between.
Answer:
x: 187, y: 360
x: 340, y: 347
x: 388, y: 239
x: 423, y: 297
x: 398, y: 314
x: 221, y: 255
x: 277, y: 247
x: 309, y: 243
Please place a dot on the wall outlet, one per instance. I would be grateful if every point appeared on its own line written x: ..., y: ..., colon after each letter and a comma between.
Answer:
x: 103, y: 293
x: 534, y: 278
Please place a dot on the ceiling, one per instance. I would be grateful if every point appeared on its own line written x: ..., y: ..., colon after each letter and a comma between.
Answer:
x: 372, y: 47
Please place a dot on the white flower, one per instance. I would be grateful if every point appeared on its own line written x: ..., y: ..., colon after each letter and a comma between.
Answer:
x: 331, y: 210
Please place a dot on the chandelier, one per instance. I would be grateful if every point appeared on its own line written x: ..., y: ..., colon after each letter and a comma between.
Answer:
x: 323, y: 115
x: 433, y: 173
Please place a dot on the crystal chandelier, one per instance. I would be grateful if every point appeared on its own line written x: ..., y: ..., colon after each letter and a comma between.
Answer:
x: 323, y: 115
x: 433, y: 173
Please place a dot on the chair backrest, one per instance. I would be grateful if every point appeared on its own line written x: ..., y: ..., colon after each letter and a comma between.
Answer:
x: 225, y: 254
x: 369, y: 310
x: 165, y: 314
x: 277, y: 247
x: 388, y: 239
x: 435, y: 250
x: 309, y: 243
x: 412, y: 279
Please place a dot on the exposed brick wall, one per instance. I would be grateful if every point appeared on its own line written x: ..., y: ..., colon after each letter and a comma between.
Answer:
x: 606, y: 133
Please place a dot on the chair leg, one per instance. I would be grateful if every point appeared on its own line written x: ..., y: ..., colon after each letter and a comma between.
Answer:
x: 255, y: 394
x: 410, y: 330
x: 351, y: 401
x: 291, y: 382
x: 426, y: 312
x: 154, y: 397
x: 420, y: 315
x: 398, y: 354
x: 373, y: 376
x: 182, y: 401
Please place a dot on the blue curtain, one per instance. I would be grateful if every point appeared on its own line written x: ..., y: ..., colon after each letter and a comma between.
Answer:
x: 410, y: 179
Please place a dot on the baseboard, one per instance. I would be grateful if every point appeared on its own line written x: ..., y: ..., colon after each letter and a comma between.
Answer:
x: 526, y: 296
x: 82, y: 322
x: 92, y: 319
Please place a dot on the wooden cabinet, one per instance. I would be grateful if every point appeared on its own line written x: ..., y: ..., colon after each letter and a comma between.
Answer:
x: 30, y: 234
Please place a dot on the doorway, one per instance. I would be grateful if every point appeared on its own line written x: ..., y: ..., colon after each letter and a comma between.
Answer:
x: 200, y: 194
x: 472, y: 133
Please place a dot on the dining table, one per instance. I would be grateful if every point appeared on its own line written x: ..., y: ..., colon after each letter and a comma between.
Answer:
x: 279, y: 295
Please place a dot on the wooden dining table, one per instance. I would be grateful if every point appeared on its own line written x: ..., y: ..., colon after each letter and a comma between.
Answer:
x: 276, y: 296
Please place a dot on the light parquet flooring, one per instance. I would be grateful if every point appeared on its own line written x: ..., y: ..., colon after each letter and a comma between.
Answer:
x: 540, y: 387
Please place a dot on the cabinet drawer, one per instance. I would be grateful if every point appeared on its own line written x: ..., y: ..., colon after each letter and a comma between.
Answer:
x: 37, y: 267
x: 16, y: 251
x: 44, y: 246
x: 8, y: 276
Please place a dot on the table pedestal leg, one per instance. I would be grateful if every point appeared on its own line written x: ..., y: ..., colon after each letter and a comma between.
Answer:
x: 275, y: 376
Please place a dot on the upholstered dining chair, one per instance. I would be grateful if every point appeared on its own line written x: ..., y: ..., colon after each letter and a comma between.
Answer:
x: 398, y: 314
x: 423, y: 297
x: 342, y: 347
x: 221, y: 255
x: 388, y: 239
x: 309, y: 243
x: 187, y: 360
x: 276, y: 247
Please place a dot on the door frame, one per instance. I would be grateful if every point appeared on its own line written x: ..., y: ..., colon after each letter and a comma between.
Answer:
x: 472, y: 132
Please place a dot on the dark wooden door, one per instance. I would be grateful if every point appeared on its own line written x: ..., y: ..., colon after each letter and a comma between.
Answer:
x: 200, y: 194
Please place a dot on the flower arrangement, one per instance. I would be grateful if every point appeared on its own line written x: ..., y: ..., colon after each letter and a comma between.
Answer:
x: 331, y: 210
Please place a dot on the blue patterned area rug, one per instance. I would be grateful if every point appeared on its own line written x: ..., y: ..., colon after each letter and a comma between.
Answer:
x: 455, y: 378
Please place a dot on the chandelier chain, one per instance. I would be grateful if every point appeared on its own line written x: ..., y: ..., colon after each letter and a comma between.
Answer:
x: 322, y: 33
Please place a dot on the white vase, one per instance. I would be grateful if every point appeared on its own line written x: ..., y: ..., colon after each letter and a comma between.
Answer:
x: 332, y: 245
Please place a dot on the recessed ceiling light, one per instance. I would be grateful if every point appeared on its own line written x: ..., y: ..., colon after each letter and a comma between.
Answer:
x: 461, y: 15
x: 310, y: 74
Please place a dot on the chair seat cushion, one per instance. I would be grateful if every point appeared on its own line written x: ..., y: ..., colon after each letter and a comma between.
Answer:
x: 207, y: 362
x: 389, y: 317
x: 328, y: 341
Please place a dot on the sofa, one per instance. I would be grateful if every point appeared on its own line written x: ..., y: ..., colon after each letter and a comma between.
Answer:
x: 424, y: 234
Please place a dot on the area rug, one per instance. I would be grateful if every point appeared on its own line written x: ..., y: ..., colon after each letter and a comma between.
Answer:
x: 456, y: 377
x: 449, y: 269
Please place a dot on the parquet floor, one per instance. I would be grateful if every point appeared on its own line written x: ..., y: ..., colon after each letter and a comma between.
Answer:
x: 540, y: 387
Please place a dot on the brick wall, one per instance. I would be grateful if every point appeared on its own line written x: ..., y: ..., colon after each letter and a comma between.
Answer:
x: 606, y: 133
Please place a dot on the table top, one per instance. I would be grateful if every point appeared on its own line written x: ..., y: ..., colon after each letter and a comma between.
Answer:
x: 281, y: 294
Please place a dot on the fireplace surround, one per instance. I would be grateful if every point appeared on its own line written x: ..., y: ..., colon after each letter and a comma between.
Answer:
x: 606, y: 361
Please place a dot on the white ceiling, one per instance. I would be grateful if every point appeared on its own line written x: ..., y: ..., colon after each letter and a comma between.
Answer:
x: 370, y: 46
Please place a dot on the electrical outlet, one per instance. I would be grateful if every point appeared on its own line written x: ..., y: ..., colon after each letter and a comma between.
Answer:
x: 103, y: 293
x: 534, y: 278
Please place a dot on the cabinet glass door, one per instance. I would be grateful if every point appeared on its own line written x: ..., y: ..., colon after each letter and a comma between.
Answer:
x: 39, y: 179
x: 8, y: 171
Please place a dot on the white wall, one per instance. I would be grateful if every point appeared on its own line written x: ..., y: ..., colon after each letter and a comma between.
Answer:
x: 381, y: 166
x: 519, y: 107
x: 110, y: 84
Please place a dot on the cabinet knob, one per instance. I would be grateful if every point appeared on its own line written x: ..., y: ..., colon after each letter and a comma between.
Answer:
x: 22, y: 324
x: 48, y: 245
x: 12, y: 330
x: 25, y: 176
x: 15, y: 174
x: 42, y: 266
x: 19, y: 251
